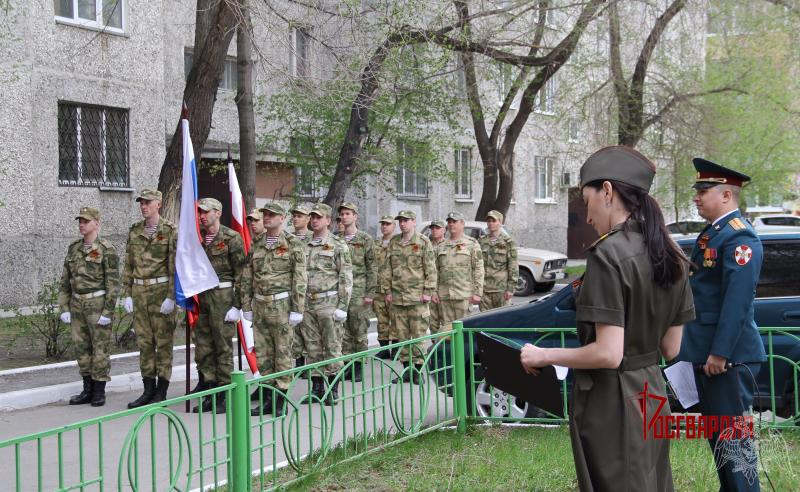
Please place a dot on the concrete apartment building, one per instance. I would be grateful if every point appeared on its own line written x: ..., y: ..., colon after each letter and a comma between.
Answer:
x: 92, y: 92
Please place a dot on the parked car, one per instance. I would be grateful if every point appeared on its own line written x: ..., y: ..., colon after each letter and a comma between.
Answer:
x: 538, y: 268
x: 685, y: 228
x: 777, y: 304
x: 777, y: 223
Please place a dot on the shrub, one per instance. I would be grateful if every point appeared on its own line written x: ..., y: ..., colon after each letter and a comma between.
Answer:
x: 43, y: 326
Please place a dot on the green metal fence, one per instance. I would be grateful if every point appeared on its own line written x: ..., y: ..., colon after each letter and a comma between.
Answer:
x: 158, y: 447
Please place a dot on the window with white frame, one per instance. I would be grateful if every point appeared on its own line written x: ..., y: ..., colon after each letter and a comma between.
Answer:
x: 101, y: 14
x: 545, y: 98
x: 299, y: 57
x: 230, y: 74
x: 463, y: 172
x: 543, y: 178
x: 410, y: 182
x: 92, y: 146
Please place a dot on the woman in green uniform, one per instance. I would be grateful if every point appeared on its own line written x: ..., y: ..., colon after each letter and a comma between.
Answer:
x: 631, y: 307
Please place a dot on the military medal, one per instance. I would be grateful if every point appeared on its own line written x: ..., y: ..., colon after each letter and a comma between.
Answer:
x: 742, y: 254
x: 709, y: 255
x: 703, y: 241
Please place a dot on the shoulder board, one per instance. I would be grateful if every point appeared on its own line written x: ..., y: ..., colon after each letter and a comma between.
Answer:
x: 77, y: 241
x: 106, y: 243
x: 601, y: 239
x: 737, y: 224
x: 137, y: 224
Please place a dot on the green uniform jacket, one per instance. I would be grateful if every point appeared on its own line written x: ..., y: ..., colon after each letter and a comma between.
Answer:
x: 459, y: 267
x: 150, y: 257
x: 330, y: 269
x: 90, y: 271
x: 281, y: 268
x: 362, y: 256
x: 412, y: 270
x: 226, y: 254
x: 499, y: 263
x: 381, y: 253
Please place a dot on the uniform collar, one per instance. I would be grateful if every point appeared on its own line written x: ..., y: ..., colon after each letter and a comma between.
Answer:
x: 730, y: 215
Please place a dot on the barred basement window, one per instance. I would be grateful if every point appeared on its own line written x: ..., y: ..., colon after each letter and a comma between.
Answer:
x: 92, y: 146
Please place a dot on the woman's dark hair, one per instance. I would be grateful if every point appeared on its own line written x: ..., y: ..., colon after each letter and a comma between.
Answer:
x: 666, y: 258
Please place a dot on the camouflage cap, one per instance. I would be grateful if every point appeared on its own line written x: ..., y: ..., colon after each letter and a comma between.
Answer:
x: 455, y: 216
x: 255, y: 214
x: 348, y: 206
x: 321, y: 209
x: 148, y: 194
x: 495, y: 214
x: 387, y: 219
x: 437, y: 223
x: 406, y: 214
x: 88, y: 213
x: 300, y: 209
x: 209, y: 204
x: 273, y: 208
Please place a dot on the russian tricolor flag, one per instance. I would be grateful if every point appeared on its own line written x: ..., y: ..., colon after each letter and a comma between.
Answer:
x: 193, y: 271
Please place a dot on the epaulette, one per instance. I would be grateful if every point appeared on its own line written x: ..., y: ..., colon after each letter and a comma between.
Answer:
x: 106, y: 243
x: 601, y: 239
x: 737, y: 224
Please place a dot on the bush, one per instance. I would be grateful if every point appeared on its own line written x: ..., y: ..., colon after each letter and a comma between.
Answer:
x: 44, y: 325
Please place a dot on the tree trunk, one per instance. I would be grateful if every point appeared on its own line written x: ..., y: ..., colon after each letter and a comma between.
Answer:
x: 244, y: 105
x: 200, y: 94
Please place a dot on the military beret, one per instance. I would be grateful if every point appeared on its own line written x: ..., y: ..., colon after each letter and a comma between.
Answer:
x: 437, y: 223
x: 274, y: 208
x: 711, y: 174
x: 455, y: 216
x: 255, y: 214
x: 387, y: 219
x: 321, y: 209
x: 348, y: 206
x: 209, y: 204
x: 619, y: 163
x: 88, y: 213
x: 148, y: 194
x: 496, y: 215
x: 406, y: 214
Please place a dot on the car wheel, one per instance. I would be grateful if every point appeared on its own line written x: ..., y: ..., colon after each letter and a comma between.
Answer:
x: 525, y: 283
x: 493, y: 402
x: 543, y: 286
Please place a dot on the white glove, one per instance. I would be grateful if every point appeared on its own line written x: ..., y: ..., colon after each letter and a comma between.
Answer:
x: 103, y: 321
x: 248, y: 315
x: 66, y: 317
x: 295, y: 319
x: 167, y: 306
x: 232, y: 315
x: 339, y: 315
x: 128, y: 304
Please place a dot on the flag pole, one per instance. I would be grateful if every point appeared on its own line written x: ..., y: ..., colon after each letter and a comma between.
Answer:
x: 185, y: 116
x: 239, y: 340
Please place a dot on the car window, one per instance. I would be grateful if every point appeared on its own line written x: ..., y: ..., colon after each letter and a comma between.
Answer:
x: 781, y: 221
x: 780, y: 269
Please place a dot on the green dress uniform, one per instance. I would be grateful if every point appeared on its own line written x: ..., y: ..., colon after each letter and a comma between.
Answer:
x: 606, y: 424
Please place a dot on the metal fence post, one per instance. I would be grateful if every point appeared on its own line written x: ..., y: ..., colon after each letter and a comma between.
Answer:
x: 240, y: 407
x: 460, y: 368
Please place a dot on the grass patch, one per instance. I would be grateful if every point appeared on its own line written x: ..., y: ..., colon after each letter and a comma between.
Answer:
x: 522, y: 458
x: 575, y: 271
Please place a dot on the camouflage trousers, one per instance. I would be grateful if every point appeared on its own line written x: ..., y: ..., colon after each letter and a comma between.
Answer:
x: 213, y: 352
x: 385, y: 315
x: 155, y: 332
x: 354, y: 336
x: 436, y: 317
x: 491, y: 300
x: 273, y: 339
x: 91, y: 340
x: 412, y: 322
x: 322, y: 335
x: 299, y: 345
x: 449, y: 310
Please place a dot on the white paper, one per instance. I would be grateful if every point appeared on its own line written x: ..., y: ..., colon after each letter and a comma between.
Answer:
x: 247, y: 330
x: 681, y: 378
x: 561, y: 372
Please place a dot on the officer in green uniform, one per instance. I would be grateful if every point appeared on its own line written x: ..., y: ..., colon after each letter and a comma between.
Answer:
x: 362, y: 256
x: 218, y: 307
x: 300, y: 230
x: 437, y: 237
x: 383, y: 311
x: 148, y: 284
x: 500, y: 264
x: 274, y: 299
x: 86, y: 297
x: 630, y: 309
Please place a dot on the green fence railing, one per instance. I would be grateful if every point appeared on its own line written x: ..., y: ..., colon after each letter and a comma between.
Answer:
x: 238, y: 447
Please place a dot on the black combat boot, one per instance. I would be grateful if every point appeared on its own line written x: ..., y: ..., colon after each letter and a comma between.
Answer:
x: 201, y: 384
x: 266, y: 408
x: 348, y: 373
x: 98, y: 393
x: 385, y: 354
x: 404, y: 377
x: 417, y: 378
x: 357, y: 371
x: 299, y: 362
x: 205, y: 405
x: 317, y: 389
x: 161, y: 390
x: 280, y: 404
x: 84, y: 396
x: 395, y: 350
x: 147, y: 395
x: 333, y: 393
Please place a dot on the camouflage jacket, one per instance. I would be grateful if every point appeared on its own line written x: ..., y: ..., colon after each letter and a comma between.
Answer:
x: 226, y: 253
x: 362, y: 256
x: 382, y: 269
x: 281, y: 268
x: 90, y: 271
x: 499, y: 263
x: 150, y: 257
x: 330, y: 269
x: 412, y: 270
x: 459, y: 265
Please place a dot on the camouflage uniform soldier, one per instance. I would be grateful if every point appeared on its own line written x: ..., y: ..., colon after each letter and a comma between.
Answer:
x: 499, y: 262
x: 300, y: 220
x: 330, y: 284
x: 219, y: 307
x: 409, y: 286
x: 148, y: 283
x: 273, y: 297
x: 386, y: 330
x: 437, y: 238
x: 86, y: 298
x: 459, y: 264
x: 362, y: 256
x: 255, y: 222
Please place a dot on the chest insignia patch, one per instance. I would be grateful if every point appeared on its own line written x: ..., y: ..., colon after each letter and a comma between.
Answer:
x: 221, y: 245
x: 742, y: 254
x: 415, y: 248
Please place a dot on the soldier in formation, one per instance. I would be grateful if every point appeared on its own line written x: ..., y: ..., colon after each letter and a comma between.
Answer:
x: 437, y: 237
x: 255, y: 222
x: 86, y: 298
x: 383, y: 310
x: 499, y: 263
x: 300, y: 220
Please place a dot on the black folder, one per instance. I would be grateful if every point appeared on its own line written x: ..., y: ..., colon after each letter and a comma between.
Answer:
x: 503, y: 369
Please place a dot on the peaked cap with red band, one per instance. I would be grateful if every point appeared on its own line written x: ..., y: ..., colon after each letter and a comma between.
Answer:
x: 711, y: 174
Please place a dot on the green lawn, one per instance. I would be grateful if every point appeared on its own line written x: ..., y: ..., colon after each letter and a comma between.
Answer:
x: 523, y: 458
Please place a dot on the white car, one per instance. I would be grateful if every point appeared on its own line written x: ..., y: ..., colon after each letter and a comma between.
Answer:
x: 538, y: 268
x: 777, y: 222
